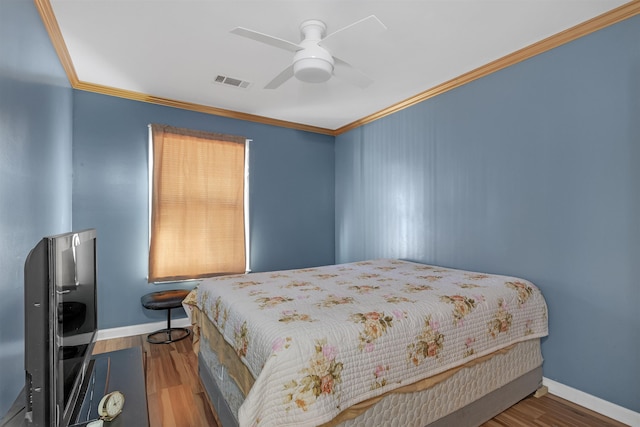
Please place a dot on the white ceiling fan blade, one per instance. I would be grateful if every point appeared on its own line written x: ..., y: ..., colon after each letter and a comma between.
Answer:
x: 348, y: 73
x: 267, y: 39
x: 285, y: 75
x: 353, y: 34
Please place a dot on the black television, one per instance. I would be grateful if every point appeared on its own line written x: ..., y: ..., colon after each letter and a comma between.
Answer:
x: 60, y: 289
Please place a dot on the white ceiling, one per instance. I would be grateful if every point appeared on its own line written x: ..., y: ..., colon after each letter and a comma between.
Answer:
x: 174, y: 49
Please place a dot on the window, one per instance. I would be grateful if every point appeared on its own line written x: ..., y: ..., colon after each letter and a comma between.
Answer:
x: 197, y: 203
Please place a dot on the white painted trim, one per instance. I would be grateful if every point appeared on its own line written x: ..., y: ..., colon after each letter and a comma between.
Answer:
x: 578, y: 397
x: 145, y: 328
x: 593, y: 403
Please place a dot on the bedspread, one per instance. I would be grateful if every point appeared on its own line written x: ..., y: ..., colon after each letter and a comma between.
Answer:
x: 319, y: 340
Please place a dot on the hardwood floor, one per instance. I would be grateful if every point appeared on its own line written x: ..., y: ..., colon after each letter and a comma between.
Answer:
x: 550, y: 411
x: 177, y: 399
x: 174, y: 394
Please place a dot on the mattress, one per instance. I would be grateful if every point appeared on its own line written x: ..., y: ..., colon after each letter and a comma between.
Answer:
x: 314, y: 342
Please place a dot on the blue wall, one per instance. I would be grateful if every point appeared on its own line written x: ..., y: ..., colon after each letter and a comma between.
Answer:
x: 291, y: 195
x: 72, y: 160
x: 35, y: 168
x: 532, y: 171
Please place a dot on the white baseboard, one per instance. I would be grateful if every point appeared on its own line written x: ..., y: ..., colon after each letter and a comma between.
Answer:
x: 145, y: 328
x: 593, y: 403
x: 578, y: 397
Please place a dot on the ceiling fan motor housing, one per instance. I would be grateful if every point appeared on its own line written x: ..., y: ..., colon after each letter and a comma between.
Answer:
x: 312, y: 63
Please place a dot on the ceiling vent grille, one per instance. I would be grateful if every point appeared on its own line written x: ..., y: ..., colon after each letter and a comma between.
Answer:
x: 230, y: 81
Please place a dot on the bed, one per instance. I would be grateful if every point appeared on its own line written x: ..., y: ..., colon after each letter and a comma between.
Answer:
x: 379, y: 342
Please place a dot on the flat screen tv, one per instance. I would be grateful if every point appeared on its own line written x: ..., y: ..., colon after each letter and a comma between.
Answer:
x: 60, y: 325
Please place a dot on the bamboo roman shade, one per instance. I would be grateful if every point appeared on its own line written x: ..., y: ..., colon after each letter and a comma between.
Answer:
x: 197, y: 204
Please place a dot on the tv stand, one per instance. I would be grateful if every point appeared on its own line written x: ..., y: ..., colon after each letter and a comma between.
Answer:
x: 121, y: 370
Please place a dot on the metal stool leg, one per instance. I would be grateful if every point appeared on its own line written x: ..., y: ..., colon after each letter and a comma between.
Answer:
x: 168, y: 333
x: 169, y: 325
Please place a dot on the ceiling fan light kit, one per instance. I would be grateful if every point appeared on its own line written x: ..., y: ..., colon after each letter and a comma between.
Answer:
x: 312, y: 70
x: 312, y: 61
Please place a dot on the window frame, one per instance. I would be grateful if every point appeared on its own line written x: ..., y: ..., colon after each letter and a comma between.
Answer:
x: 246, y: 201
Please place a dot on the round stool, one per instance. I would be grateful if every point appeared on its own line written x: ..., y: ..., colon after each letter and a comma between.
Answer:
x: 166, y: 300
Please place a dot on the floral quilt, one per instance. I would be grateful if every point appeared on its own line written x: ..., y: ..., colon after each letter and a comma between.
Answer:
x: 319, y: 340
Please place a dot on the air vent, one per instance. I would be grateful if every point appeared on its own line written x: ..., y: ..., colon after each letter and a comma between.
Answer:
x: 232, y: 82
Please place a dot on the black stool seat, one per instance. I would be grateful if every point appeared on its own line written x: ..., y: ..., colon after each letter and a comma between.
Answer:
x: 166, y: 300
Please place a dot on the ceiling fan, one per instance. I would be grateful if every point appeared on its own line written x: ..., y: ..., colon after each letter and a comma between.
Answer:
x: 313, y: 61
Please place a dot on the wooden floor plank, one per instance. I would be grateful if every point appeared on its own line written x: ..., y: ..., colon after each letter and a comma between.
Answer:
x: 176, y: 398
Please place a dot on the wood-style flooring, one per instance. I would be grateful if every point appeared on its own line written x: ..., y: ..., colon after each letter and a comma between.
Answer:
x: 177, y: 399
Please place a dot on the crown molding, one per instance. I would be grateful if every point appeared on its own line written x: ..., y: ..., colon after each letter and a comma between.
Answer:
x: 137, y: 96
x: 614, y: 16
x: 599, y: 22
x: 51, y: 25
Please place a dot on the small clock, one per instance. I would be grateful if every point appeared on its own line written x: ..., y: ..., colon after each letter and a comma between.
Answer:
x: 111, y: 405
